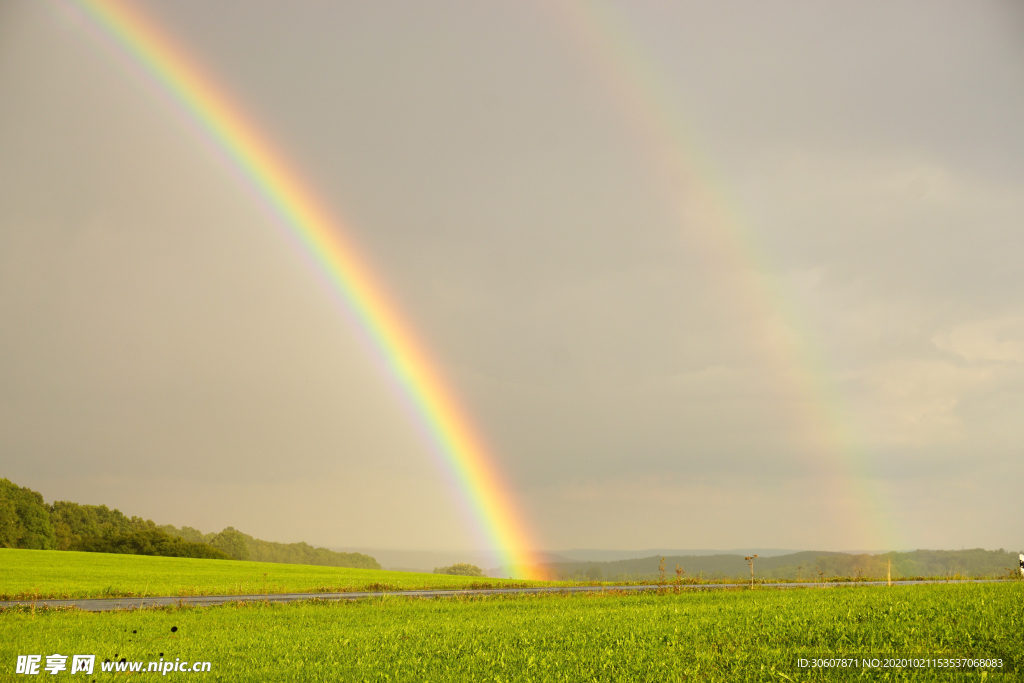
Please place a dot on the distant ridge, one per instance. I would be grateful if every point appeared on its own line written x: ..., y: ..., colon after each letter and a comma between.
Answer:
x: 427, y: 560
x: 586, y: 555
x: 812, y: 564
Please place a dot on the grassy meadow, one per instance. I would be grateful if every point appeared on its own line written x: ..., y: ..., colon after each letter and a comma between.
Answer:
x: 736, y: 635
x: 37, y: 574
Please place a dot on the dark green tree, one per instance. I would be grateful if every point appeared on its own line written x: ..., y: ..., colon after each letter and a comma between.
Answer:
x: 231, y: 542
x: 10, y: 525
x: 24, y: 518
x: 73, y: 522
x: 186, y: 532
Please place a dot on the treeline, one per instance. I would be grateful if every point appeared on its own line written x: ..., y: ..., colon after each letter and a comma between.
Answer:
x: 26, y: 521
x: 810, y: 565
x: 242, y: 546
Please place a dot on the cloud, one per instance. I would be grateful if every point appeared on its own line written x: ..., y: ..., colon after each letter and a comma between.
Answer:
x: 997, y: 341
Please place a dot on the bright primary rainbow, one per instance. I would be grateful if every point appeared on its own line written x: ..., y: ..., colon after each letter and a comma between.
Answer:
x: 496, y: 516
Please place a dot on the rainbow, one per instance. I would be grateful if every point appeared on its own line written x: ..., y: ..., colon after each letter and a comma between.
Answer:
x: 461, y: 450
x: 831, y: 448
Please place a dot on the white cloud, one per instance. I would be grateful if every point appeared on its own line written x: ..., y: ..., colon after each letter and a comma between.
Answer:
x: 994, y: 340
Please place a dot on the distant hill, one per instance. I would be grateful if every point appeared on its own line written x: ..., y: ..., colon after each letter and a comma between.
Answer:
x: 26, y: 521
x: 584, y: 555
x: 800, y: 565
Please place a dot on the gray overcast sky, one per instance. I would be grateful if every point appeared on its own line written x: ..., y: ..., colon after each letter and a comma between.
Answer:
x: 852, y: 378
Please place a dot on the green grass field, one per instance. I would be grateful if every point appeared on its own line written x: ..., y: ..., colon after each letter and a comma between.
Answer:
x: 741, y: 635
x: 734, y: 635
x: 29, y: 574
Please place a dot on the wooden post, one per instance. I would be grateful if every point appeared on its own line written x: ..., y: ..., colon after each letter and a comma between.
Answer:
x: 888, y: 572
x: 750, y: 561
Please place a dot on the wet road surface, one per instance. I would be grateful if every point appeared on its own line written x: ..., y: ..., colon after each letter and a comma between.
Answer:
x: 107, y: 604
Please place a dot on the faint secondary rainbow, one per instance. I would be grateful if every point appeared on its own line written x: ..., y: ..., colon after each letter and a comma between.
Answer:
x: 601, y: 34
x: 464, y: 454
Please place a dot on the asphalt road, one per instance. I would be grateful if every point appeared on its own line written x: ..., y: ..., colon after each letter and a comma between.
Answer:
x: 107, y: 604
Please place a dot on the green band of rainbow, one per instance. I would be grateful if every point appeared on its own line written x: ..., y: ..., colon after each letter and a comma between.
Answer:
x: 463, y: 451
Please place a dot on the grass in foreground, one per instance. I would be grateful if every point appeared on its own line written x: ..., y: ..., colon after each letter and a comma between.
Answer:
x: 38, y: 574
x: 748, y: 635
